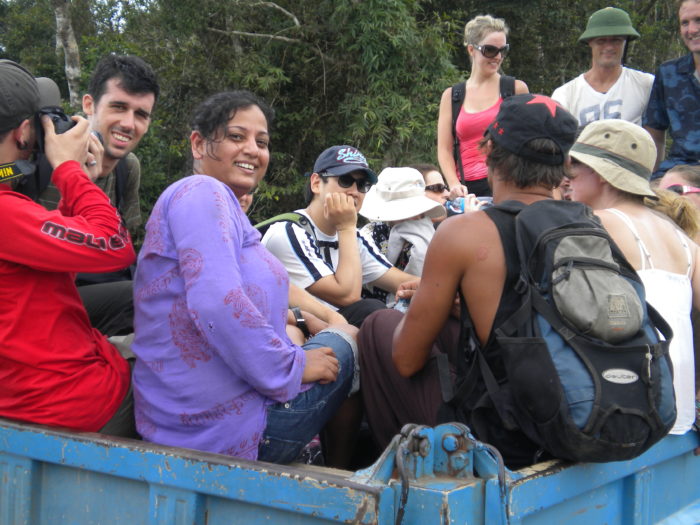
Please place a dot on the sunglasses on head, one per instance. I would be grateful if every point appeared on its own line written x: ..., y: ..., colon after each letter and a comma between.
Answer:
x: 346, y: 181
x: 681, y: 189
x: 437, y: 188
x: 490, y: 51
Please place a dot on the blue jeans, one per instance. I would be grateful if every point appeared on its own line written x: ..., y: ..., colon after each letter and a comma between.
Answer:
x: 292, y: 424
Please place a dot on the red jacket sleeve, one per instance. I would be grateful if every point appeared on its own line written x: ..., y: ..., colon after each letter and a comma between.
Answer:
x: 85, y: 234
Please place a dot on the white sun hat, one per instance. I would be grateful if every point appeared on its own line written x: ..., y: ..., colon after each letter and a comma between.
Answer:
x: 399, y: 194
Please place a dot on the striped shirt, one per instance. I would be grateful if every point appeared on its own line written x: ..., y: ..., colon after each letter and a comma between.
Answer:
x: 308, y: 259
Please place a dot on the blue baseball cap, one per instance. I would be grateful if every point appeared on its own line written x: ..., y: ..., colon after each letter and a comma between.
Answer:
x: 339, y: 160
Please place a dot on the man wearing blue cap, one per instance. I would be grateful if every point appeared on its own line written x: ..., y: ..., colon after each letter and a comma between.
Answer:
x: 332, y: 260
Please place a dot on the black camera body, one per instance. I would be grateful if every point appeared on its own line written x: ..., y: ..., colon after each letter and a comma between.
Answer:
x: 61, y: 124
x: 33, y: 184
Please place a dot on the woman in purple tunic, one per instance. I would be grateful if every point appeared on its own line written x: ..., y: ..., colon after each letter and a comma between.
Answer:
x: 215, y: 370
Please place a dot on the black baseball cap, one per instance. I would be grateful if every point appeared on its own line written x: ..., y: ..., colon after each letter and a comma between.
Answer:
x: 22, y: 95
x: 522, y: 118
x: 339, y: 160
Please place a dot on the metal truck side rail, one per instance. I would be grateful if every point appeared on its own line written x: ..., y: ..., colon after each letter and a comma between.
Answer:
x: 427, y: 475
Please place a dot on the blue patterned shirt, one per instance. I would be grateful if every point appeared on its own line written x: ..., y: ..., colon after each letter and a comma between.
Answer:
x: 675, y: 103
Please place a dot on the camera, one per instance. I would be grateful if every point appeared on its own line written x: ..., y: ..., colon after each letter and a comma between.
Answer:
x: 36, y: 180
x: 61, y: 123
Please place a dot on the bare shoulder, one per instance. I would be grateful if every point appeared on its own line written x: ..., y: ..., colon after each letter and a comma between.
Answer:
x: 464, y: 234
x: 611, y: 222
x: 446, y: 96
x: 521, y: 87
x: 618, y: 230
x: 463, y: 225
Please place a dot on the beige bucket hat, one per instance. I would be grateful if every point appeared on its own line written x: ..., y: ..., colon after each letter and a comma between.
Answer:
x: 399, y: 194
x: 620, y: 152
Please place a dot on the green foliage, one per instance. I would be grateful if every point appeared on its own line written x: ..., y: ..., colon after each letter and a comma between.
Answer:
x: 28, y: 35
x: 364, y: 72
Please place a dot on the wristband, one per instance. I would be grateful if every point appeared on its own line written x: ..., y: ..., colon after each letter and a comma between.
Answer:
x: 301, y: 322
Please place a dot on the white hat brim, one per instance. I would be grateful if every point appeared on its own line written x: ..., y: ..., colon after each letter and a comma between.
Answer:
x: 375, y: 208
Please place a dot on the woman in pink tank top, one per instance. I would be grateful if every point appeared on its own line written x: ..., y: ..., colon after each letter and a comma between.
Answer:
x: 485, y: 39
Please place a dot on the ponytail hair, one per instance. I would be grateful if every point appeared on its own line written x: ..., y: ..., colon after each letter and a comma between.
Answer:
x: 678, y: 209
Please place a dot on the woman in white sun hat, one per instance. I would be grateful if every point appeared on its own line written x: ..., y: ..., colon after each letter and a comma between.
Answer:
x: 399, y: 199
x: 612, y: 161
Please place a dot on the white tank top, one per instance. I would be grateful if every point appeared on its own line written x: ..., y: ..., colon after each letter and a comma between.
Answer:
x: 671, y: 294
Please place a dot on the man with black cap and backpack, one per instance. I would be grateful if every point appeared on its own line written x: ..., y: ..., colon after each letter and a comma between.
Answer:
x: 504, y: 377
x: 55, y: 368
x: 608, y: 89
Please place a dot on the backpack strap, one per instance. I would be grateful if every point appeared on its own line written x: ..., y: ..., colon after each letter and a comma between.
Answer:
x: 507, y: 86
x: 121, y: 172
x: 292, y: 216
x: 459, y: 91
x: 468, y: 356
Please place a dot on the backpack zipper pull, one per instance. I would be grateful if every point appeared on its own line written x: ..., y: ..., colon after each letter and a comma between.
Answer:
x: 649, y: 358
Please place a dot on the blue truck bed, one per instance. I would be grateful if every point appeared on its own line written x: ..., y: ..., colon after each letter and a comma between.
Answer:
x: 428, y: 475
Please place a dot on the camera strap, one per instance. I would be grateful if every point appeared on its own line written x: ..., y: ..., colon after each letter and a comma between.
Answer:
x: 14, y: 170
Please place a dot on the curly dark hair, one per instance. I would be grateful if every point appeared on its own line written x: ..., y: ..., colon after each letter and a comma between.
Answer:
x: 134, y: 74
x: 212, y: 115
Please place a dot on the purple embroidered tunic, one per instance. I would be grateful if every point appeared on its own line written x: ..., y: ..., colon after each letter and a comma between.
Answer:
x: 210, y: 315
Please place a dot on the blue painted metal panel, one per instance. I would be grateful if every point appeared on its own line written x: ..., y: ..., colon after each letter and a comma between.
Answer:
x: 17, y: 490
x: 445, y: 476
x: 136, y: 483
x: 641, y: 491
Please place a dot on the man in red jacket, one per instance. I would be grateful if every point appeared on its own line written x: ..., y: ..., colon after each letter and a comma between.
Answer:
x: 55, y: 368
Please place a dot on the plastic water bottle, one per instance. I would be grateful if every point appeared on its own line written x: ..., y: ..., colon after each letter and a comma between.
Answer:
x: 401, y: 305
x: 455, y: 206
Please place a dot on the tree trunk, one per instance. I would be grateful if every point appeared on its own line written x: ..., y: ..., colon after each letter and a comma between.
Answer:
x: 65, y: 40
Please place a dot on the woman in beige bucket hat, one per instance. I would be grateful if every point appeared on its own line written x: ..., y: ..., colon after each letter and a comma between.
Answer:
x: 611, y: 163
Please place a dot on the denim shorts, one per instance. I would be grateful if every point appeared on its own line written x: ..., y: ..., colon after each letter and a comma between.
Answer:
x: 292, y: 424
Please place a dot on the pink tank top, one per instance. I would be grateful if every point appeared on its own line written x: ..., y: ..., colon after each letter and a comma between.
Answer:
x: 470, y: 130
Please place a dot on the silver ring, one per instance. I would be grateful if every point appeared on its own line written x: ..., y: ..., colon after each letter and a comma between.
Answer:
x: 92, y: 163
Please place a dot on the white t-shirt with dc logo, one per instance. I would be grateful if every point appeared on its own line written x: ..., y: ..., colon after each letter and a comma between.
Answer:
x: 627, y: 98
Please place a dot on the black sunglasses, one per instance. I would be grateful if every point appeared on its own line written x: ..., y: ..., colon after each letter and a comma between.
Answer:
x: 437, y: 188
x: 490, y: 51
x: 346, y: 181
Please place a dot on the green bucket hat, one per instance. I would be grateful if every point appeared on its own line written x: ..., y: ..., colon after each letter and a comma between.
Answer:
x: 609, y: 21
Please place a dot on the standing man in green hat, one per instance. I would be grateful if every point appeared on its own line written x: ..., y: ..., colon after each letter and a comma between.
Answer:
x: 608, y: 89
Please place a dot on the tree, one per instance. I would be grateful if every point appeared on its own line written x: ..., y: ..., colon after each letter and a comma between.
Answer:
x: 368, y: 73
x: 66, y: 43
x: 363, y: 73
